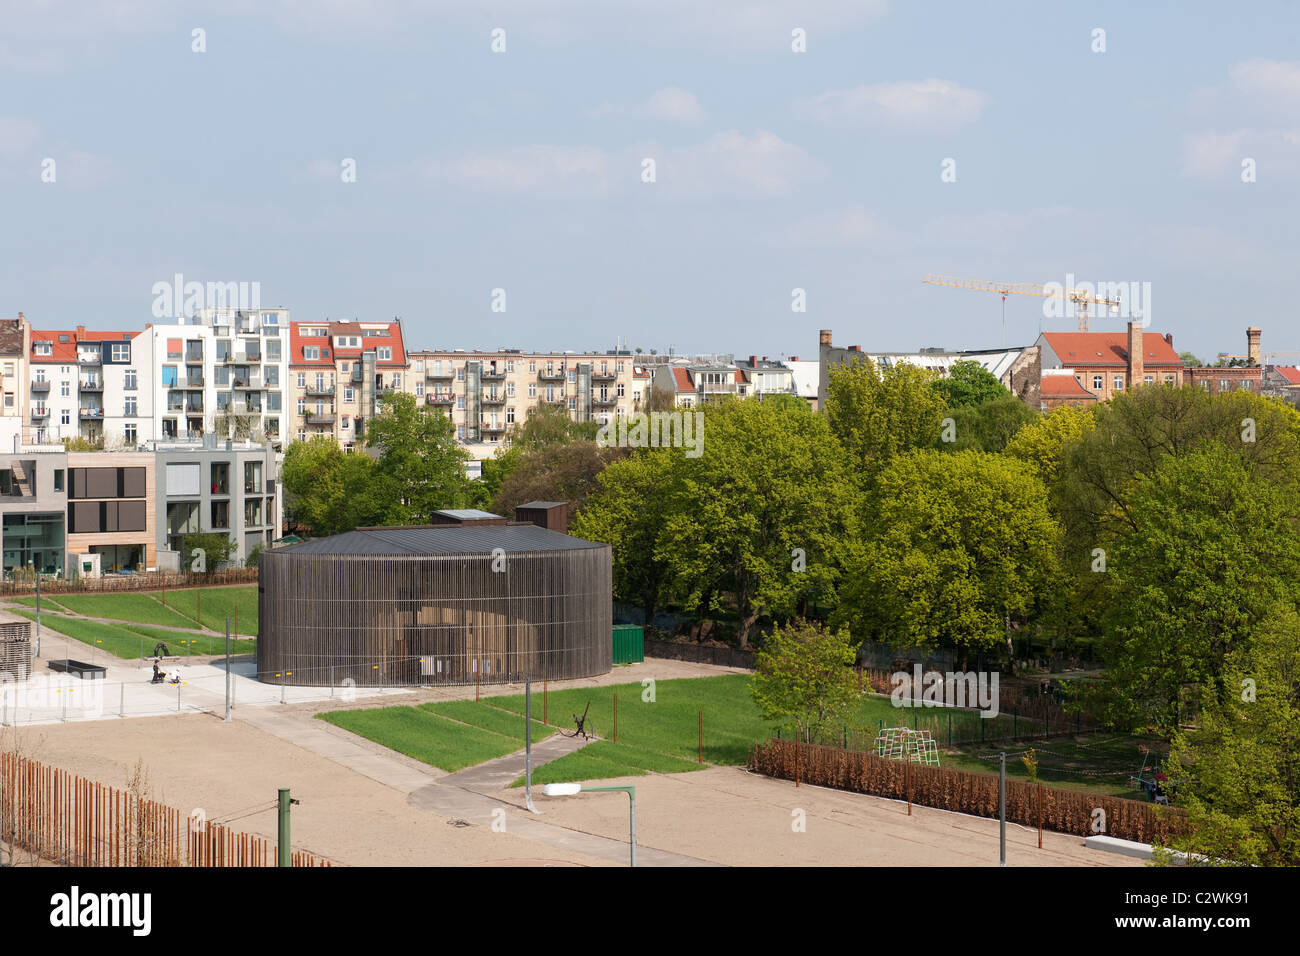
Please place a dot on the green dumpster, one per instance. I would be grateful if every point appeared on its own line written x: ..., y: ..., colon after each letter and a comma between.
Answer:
x: 629, y: 644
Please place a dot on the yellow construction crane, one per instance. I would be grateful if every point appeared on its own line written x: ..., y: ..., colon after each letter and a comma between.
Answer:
x: 1081, y: 297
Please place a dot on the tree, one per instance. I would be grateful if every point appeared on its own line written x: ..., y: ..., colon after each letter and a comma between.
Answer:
x: 968, y: 384
x: 1238, y: 773
x: 878, y: 415
x: 1213, y: 550
x: 237, y: 426
x: 765, y: 513
x: 419, y: 462
x: 330, y: 491
x: 989, y: 425
x: 216, y: 548
x: 563, y: 472
x: 804, y: 679
x: 1190, y: 360
x: 548, y: 424
x: 495, y: 471
x: 1042, y: 443
x: 962, y: 548
x: 628, y: 511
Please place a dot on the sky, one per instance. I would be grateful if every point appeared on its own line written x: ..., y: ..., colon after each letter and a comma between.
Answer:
x: 1006, y: 141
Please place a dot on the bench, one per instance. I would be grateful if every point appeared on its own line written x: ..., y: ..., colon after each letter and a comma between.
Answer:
x: 78, y: 669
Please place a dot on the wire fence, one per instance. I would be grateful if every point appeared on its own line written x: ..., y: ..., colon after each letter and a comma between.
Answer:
x: 22, y: 585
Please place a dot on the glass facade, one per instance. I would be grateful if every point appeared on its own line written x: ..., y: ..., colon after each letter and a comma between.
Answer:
x: 34, y: 537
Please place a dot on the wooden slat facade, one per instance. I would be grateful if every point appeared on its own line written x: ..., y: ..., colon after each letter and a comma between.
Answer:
x: 434, y: 618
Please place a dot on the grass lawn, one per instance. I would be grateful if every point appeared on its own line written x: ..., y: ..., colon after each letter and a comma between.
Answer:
x: 46, y: 602
x: 114, y: 639
x: 137, y: 608
x: 486, y: 717
x: 200, y: 643
x: 603, y: 759
x: 427, y: 737
x: 1094, y: 763
x: 217, y: 604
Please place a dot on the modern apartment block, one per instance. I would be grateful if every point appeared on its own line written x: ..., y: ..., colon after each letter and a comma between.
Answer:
x: 338, y: 372
x: 249, y: 370
x: 485, y: 393
x: 223, y: 487
x: 110, y: 514
x: 33, y: 510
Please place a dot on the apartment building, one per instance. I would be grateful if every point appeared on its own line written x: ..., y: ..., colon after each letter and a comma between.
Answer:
x: 220, y: 487
x: 33, y: 509
x: 693, y: 385
x: 110, y: 513
x: 13, y: 380
x: 249, y: 370
x: 338, y: 372
x: 1244, y: 374
x: 486, y: 393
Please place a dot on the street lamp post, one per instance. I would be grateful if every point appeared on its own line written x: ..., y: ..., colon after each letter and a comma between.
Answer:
x: 37, y: 569
x: 570, y: 789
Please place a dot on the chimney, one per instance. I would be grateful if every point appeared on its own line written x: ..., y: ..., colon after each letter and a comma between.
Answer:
x: 753, y: 361
x: 1252, y: 345
x: 825, y: 338
x: 1169, y: 339
x: 1135, y: 356
x: 794, y: 358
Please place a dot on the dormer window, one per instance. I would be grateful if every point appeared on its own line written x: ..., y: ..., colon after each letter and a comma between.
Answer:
x: 43, y: 348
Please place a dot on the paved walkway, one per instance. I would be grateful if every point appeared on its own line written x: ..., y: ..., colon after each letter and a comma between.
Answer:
x: 475, y: 795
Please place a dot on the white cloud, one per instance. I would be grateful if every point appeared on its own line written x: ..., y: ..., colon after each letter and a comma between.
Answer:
x: 1254, y: 115
x: 733, y: 165
x: 1276, y: 82
x: 671, y: 104
x: 931, y: 105
x: 540, y: 171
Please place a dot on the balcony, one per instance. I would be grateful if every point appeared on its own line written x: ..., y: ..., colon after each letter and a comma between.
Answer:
x: 320, y: 418
x: 551, y: 375
x: 493, y: 429
x: 324, y: 391
x: 40, y: 414
x: 194, y: 356
x: 440, y: 398
x: 603, y: 376
x: 493, y: 399
x: 91, y: 385
x: 42, y: 387
x: 488, y: 375
x: 194, y: 382
x: 608, y: 401
x: 440, y: 376
x: 251, y: 383
x: 92, y: 414
x: 89, y: 358
x: 717, y: 388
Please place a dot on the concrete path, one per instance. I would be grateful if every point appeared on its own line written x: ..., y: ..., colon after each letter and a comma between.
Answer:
x: 475, y: 795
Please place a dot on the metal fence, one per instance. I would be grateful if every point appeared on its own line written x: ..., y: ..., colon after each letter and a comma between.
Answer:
x: 700, y: 654
x: 148, y: 581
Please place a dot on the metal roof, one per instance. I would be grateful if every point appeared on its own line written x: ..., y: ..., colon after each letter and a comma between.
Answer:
x: 466, y: 514
x: 442, y: 539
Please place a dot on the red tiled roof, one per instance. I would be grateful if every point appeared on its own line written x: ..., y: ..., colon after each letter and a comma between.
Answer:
x: 63, y: 353
x: 1064, y: 386
x: 682, y: 378
x: 1109, y: 348
x: 1288, y: 372
x: 392, y: 337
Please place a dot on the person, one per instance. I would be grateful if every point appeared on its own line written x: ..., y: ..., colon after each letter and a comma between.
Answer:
x: 157, y: 674
x: 174, y: 677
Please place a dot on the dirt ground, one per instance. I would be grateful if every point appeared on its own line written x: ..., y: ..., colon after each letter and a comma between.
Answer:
x: 722, y: 815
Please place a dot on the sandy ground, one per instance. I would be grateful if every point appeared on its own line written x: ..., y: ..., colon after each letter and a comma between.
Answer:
x: 356, y: 808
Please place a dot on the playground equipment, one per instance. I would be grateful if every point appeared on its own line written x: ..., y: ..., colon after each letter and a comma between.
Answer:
x: 904, y: 743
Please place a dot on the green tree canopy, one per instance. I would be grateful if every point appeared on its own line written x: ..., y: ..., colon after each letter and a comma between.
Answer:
x: 878, y: 415
x: 419, y: 463
x: 1210, y: 551
x: 559, y: 472
x: 549, y: 424
x: 963, y: 546
x: 329, y: 491
x: 1238, y: 772
x: 1042, y: 443
x: 988, y: 426
x: 804, y: 680
x: 967, y: 385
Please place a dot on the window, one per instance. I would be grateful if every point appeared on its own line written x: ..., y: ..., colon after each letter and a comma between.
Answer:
x: 121, y: 351
x: 302, y: 434
x: 183, y: 478
x: 1119, y: 383
x: 419, y: 389
x: 169, y: 376
x: 1169, y: 380
x: 58, y: 479
x: 397, y: 380
x: 460, y: 432
x: 38, y: 348
x: 65, y: 417
x: 221, y: 514
x: 1247, y: 384
x: 573, y: 404
x: 532, y: 366
x: 9, y: 399
x: 1224, y: 385
x: 220, y: 475
x: 460, y: 401
x: 510, y: 366
x: 532, y: 389
x: 573, y: 375
x: 270, y: 318
x: 273, y: 350
x: 349, y: 394
x: 1148, y: 379
x: 302, y: 379
x: 460, y: 374
x: 620, y: 390
x: 272, y: 401
x: 272, y: 373
x: 510, y: 415
x: 272, y: 428
x: 128, y: 379
x: 65, y: 388
x: 344, y: 423
x: 384, y: 353
x: 302, y: 406
x: 311, y: 352
x: 1205, y: 384
x: 129, y: 408
x: 253, y: 511
x: 252, y: 477
x: 510, y: 389
x: 1098, y: 383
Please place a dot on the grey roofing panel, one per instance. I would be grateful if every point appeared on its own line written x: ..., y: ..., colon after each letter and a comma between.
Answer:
x: 444, y: 539
x: 465, y: 514
x: 542, y: 504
